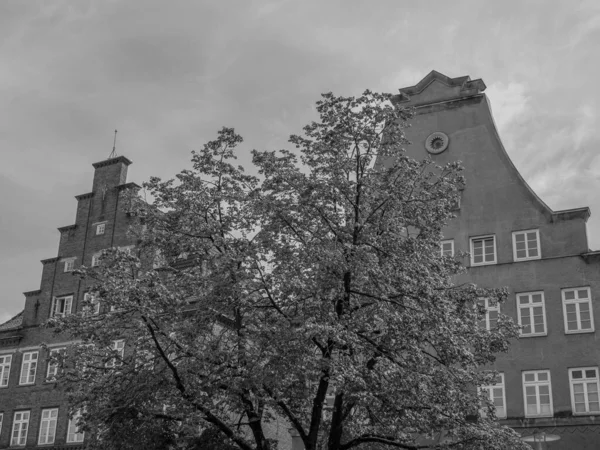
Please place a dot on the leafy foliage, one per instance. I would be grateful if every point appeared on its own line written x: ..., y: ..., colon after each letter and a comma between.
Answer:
x: 315, y: 295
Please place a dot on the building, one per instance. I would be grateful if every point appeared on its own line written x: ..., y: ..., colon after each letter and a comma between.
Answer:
x: 32, y: 412
x: 549, y: 381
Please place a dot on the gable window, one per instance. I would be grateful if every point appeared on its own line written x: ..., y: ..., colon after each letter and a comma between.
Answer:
x: 497, y: 396
x: 538, y: 393
x: 61, y: 306
x: 48, y: 426
x: 96, y: 259
x: 447, y: 247
x: 532, y: 313
x: 5, y: 361
x: 73, y: 433
x: 584, y: 390
x: 69, y: 265
x: 577, y: 309
x: 100, y: 228
x: 526, y: 245
x: 483, y: 250
x: 491, y: 313
x: 53, y: 363
x: 28, y: 368
x: 20, y: 428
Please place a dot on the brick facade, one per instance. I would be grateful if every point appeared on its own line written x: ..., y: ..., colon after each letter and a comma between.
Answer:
x: 78, y: 243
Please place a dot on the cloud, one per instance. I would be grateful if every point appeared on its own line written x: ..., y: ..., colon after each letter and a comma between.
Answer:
x: 509, y: 103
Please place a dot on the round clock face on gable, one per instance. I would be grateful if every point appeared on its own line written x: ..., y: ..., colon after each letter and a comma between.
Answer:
x: 436, y: 142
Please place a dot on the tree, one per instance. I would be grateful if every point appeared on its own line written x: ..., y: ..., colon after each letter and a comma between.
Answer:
x: 316, y: 295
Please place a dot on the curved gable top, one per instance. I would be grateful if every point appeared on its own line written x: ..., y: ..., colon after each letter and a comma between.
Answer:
x: 437, y: 87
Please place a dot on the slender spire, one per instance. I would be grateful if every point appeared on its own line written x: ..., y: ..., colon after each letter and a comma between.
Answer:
x: 113, y: 154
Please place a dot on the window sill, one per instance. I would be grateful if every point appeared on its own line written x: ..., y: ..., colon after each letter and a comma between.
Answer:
x: 533, y: 335
x: 484, y: 264
x: 540, y: 416
x: 526, y: 259
x: 580, y: 332
x: 597, y: 413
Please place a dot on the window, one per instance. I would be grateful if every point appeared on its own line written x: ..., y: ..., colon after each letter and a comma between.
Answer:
x: 447, y: 247
x: 5, y: 361
x: 69, y: 265
x: 526, y: 245
x: 532, y: 313
x: 53, y: 363
x: 497, y: 396
x: 19, y: 430
x: 584, y: 390
x: 96, y: 259
x: 538, y: 393
x: 28, y: 368
x: 100, y: 228
x: 119, y: 348
x: 483, y: 250
x: 577, y: 309
x: 93, y: 304
x: 61, y: 306
x: 73, y: 433
x: 48, y: 426
x: 491, y: 313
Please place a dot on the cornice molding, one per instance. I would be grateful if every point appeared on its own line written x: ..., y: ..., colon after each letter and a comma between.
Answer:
x: 111, y: 161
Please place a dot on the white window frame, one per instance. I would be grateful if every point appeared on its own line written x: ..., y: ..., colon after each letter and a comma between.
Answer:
x: 577, y: 302
x: 64, y: 302
x: 28, y: 368
x: 69, y: 265
x: 92, y: 298
x: 96, y: 259
x: 483, y: 238
x: 490, y: 393
x: 73, y: 434
x: 48, y: 426
x: 488, y: 309
x: 538, y: 245
x: 21, y: 427
x: 530, y: 306
x: 100, y: 228
x: 447, y: 241
x: 52, y: 368
x: 119, y: 347
x: 5, y: 365
x: 585, y: 381
x: 536, y: 384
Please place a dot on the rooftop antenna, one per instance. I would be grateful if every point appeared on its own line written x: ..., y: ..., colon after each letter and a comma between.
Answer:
x: 113, y: 154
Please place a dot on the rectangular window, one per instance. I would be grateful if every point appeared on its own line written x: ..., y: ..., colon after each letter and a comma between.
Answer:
x: 532, y: 313
x: 447, y: 247
x: 28, y: 368
x: 69, y: 265
x: 96, y: 259
x: 119, y: 348
x: 53, y: 364
x: 5, y: 361
x: 491, y: 313
x: 93, y: 304
x: 61, y: 306
x: 48, y: 426
x: 483, y: 250
x: 20, y: 428
x: 584, y: 390
x: 73, y: 433
x: 497, y: 396
x: 577, y: 309
x: 538, y: 393
x: 100, y: 228
x: 526, y: 245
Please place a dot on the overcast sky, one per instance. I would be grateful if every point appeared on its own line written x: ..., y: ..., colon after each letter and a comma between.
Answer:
x: 169, y: 74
